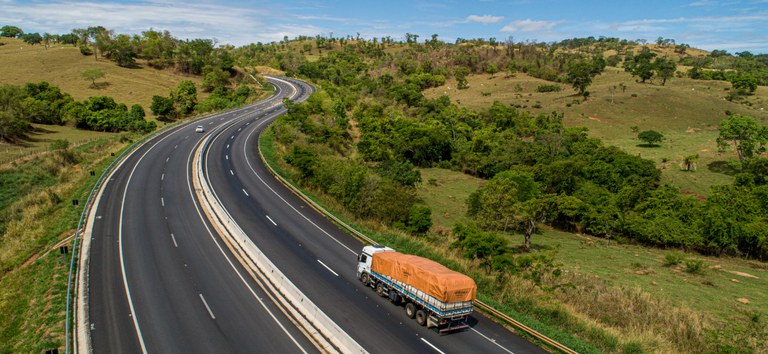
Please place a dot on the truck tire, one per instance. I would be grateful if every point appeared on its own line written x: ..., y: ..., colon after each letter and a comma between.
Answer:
x: 410, y: 310
x: 364, y: 278
x: 421, y: 318
x: 394, y: 297
x: 380, y: 289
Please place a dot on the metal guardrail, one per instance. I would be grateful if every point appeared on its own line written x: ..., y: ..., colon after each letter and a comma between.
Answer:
x: 485, y: 307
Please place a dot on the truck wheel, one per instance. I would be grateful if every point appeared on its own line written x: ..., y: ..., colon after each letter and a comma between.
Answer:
x: 380, y: 289
x: 421, y: 318
x: 364, y: 279
x: 410, y: 310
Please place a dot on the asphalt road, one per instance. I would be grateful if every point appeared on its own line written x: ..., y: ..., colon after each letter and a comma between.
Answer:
x: 320, y: 258
x: 160, y: 280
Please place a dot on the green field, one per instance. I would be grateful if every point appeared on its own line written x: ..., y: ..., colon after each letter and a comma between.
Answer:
x: 686, y: 111
x: 717, y: 292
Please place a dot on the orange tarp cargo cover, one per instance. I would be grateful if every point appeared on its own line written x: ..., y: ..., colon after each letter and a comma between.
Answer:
x: 426, y: 275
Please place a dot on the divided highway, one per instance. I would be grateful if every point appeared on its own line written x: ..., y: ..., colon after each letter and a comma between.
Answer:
x: 320, y: 258
x: 161, y: 280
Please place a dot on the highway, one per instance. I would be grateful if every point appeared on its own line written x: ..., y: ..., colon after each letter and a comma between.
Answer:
x: 320, y: 258
x: 159, y: 279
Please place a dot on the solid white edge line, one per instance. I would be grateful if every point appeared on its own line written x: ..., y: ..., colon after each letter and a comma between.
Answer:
x: 432, y: 345
x: 327, y: 267
x: 216, y: 242
x: 174, y: 241
x: 206, y: 306
x: 492, y: 341
x: 270, y: 220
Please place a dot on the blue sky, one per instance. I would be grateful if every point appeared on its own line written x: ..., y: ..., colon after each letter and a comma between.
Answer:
x: 733, y: 25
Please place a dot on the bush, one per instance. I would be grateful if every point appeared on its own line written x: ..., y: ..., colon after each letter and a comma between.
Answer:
x: 673, y: 259
x: 419, y: 219
x: 694, y: 265
x: 59, y: 144
x: 549, y: 88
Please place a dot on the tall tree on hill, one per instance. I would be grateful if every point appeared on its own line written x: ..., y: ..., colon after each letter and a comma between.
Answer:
x: 581, y: 73
x: 641, y: 64
x: 745, y: 134
x: 665, y: 69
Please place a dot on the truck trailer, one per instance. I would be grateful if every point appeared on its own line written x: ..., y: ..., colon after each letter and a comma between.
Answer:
x: 434, y: 295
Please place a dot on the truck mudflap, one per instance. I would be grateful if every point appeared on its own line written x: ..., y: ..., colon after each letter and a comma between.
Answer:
x: 447, y: 325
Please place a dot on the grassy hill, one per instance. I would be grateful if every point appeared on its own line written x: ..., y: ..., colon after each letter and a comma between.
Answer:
x: 62, y: 65
x: 686, y: 111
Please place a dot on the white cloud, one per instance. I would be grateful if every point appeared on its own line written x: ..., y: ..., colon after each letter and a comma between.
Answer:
x: 529, y: 25
x: 484, y: 18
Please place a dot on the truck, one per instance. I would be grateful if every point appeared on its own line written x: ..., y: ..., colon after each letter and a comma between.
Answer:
x: 437, y: 297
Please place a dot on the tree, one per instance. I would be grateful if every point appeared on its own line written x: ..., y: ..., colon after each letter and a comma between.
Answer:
x: 477, y: 244
x: 121, y: 50
x: 32, y: 38
x: 461, y: 78
x: 650, y: 137
x: 11, y: 32
x: 162, y: 107
x: 744, y: 134
x: 419, y: 219
x: 185, y: 97
x: 92, y: 74
x: 744, y: 83
x: 665, y: 69
x: 580, y: 75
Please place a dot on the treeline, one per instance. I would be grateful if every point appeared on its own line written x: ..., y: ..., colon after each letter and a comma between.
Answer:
x: 44, y: 103
x: 538, y: 170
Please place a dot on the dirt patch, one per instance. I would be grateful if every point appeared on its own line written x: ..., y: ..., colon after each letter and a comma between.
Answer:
x: 742, y: 274
x: 743, y: 300
x: 692, y: 130
x: 595, y: 119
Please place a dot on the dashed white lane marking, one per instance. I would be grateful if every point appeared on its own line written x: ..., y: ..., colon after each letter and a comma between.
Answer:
x: 329, y: 268
x: 231, y: 172
x: 162, y: 201
x: 176, y: 147
x: 492, y: 341
x: 162, y: 177
x: 227, y: 146
x: 270, y: 220
x: 232, y: 137
x: 226, y: 157
x: 174, y: 241
x: 432, y: 345
x: 167, y: 159
x: 207, y: 307
x: 246, y: 193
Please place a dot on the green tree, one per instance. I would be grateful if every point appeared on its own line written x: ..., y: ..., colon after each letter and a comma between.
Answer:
x: 185, y: 97
x: 744, y: 134
x: 92, y: 74
x: 122, y: 50
x: 419, y: 219
x: 32, y: 38
x: 744, y: 83
x: 478, y: 244
x: 650, y: 137
x: 580, y: 75
x: 665, y: 69
x: 461, y: 78
x: 11, y: 31
x: 162, y: 107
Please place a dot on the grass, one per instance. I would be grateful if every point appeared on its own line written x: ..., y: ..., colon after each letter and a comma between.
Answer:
x: 695, y: 287
x: 40, y: 139
x: 686, y: 111
x: 33, y: 273
x: 62, y: 65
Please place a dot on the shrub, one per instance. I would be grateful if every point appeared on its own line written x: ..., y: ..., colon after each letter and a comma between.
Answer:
x: 694, y: 265
x: 549, y: 88
x: 673, y: 259
x: 59, y: 144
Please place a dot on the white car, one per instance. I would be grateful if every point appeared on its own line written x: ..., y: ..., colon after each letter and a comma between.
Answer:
x: 199, y: 129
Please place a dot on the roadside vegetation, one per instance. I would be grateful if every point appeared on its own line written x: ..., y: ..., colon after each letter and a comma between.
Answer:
x: 602, y: 191
x: 361, y: 142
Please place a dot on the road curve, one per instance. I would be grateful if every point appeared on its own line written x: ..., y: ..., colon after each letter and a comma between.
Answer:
x: 320, y: 258
x: 159, y: 279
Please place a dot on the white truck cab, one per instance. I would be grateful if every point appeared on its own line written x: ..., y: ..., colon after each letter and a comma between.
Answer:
x: 364, y: 259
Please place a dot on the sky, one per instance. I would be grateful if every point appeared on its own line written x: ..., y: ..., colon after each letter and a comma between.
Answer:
x: 732, y: 25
